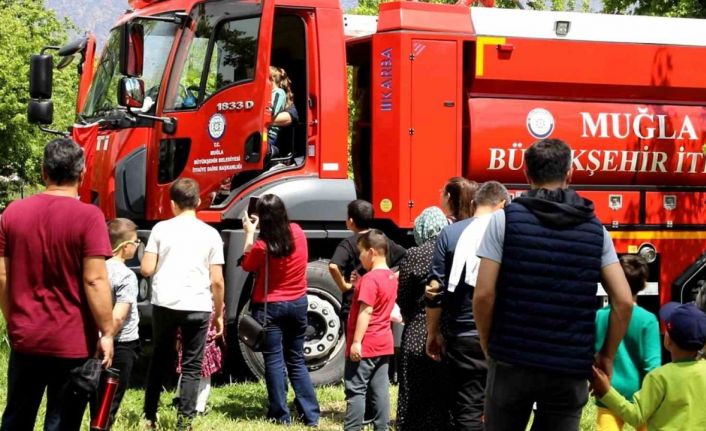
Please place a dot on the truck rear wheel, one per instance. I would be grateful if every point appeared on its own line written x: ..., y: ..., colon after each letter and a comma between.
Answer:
x: 324, y: 344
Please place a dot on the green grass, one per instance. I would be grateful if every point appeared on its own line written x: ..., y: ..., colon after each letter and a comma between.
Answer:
x: 239, y: 406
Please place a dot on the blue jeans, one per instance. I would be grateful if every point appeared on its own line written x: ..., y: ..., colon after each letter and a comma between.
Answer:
x: 284, y: 356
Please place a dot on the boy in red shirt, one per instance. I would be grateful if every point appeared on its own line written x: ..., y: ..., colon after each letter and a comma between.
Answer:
x: 369, y: 341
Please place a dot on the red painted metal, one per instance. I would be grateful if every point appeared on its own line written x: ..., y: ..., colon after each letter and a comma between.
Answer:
x: 84, y: 83
x: 678, y: 250
x: 331, y: 105
x: 592, y: 70
x: 442, y: 101
x: 617, y: 208
x: 390, y: 126
x: 424, y: 17
x: 614, y: 144
x: 434, y: 61
x: 687, y: 208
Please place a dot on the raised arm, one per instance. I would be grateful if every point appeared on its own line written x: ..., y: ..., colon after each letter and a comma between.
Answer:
x: 335, y: 272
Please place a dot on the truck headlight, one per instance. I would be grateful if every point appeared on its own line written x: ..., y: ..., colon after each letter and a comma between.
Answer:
x: 648, y: 252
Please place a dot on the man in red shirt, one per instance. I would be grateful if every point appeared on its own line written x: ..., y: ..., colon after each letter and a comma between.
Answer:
x: 369, y: 341
x: 54, y: 294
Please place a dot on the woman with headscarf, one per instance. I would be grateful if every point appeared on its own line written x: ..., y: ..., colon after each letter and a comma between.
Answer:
x: 420, y: 403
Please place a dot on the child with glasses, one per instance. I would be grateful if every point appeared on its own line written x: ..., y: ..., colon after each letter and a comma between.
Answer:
x: 123, y: 282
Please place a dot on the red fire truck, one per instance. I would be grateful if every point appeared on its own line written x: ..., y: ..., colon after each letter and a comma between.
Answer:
x: 182, y: 90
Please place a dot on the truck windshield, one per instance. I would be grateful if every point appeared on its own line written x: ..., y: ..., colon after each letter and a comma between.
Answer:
x: 103, y: 95
x: 224, y: 43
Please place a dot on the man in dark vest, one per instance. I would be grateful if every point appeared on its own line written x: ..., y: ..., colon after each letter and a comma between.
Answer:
x: 535, y: 299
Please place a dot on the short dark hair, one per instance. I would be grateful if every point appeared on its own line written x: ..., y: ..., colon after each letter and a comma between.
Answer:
x: 120, y: 230
x: 491, y: 193
x: 375, y: 239
x: 63, y: 161
x: 185, y: 193
x: 636, y: 271
x: 362, y: 213
x: 461, y: 192
x: 548, y: 161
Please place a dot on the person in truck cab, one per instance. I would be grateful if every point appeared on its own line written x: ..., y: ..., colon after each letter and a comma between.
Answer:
x: 541, y: 260
x: 288, y: 117
x: 282, y: 98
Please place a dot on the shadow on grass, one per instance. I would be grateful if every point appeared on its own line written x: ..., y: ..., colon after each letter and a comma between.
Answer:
x: 250, y: 402
x: 333, y: 415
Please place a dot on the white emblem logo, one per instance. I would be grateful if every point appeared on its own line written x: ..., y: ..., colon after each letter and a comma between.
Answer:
x: 540, y: 123
x: 669, y: 202
x: 216, y: 126
x: 615, y: 202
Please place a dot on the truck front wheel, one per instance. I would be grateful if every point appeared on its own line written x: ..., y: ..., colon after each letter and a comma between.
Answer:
x: 324, y: 343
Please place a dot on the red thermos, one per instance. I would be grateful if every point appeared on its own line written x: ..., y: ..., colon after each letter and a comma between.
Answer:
x: 101, y: 421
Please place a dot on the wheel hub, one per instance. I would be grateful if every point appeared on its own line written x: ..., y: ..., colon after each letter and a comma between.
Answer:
x: 323, y: 332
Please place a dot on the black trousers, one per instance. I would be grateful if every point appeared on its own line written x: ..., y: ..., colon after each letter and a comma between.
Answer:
x: 512, y: 391
x: 28, y: 376
x: 124, y: 356
x: 194, y: 329
x: 468, y: 372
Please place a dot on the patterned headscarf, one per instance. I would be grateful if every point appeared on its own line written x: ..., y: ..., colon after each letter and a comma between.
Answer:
x: 429, y: 224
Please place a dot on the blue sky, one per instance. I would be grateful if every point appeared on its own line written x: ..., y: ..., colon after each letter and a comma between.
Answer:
x: 347, y: 4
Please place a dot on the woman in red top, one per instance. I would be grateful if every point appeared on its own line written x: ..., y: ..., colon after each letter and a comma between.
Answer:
x: 284, y: 244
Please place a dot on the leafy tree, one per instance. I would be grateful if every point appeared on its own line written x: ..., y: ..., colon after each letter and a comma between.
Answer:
x: 673, y: 8
x: 370, y: 7
x: 27, y: 27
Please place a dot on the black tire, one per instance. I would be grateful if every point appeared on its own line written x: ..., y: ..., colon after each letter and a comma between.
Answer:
x: 324, y: 347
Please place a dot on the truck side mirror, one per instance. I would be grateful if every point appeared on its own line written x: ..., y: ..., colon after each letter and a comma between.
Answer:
x: 68, y: 51
x: 131, y: 92
x: 41, y: 74
x: 40, y: 111
x: 132, y: 43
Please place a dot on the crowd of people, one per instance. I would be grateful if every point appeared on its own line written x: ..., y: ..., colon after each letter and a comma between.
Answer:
x: 498, y: 301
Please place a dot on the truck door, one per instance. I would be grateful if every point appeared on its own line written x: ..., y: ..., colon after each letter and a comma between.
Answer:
x: 435, y: 132
x: 219, y: 92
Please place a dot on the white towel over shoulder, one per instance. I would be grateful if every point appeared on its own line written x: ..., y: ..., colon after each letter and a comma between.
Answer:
x: 465, y: 253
